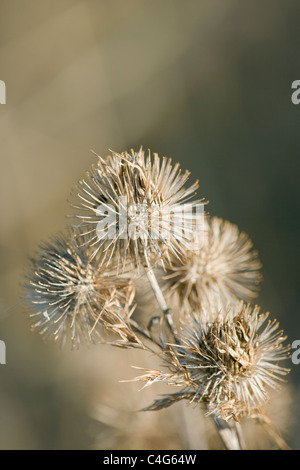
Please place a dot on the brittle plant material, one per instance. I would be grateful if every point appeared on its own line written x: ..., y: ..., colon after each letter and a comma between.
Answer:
x: 136, y: 205
x: 221, y: 269
x: 228, y: 364
x: 134, y: 210
x: 69, y: 297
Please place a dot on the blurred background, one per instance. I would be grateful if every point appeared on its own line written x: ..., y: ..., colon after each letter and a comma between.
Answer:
x: 206, y: 82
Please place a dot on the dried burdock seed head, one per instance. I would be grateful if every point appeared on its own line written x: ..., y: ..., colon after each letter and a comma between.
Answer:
x: 121, y: 426
x: 70, y: 298
x: 135, y: 206
x: 222, y: 269
x: 228, y: 364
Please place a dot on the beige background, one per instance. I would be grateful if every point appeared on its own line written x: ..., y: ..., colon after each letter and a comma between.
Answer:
x: 205, y: 82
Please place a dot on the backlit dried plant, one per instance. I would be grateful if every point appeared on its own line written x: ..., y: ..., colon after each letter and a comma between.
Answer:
x: 134, y: 211
x: 136, y: 205
x: 228, y: 364
x: 224, y: 269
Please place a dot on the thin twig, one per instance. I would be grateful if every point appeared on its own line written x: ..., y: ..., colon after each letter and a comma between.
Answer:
x: 139, y: 329
x: 159, y: 295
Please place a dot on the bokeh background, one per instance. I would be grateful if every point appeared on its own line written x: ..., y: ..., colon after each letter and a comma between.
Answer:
x: 207, y: 82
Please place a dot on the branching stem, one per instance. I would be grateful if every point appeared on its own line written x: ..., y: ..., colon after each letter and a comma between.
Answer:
x: 159, y: 295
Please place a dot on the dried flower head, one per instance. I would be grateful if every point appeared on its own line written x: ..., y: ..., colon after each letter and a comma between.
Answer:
x: 224, y: 269
x: 137, y: 205
x: 227, y: 364
x: 69, y: 297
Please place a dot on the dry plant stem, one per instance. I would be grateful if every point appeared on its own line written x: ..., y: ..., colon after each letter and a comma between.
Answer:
x: 159, y: 295
x: 270, y: 429
x: 240, y: 436
x: 139, y: 329
x: 231, y: 437
x: 228, y: 435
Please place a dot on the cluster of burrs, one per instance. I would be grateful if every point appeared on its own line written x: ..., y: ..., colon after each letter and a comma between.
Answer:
x: 134, y: 222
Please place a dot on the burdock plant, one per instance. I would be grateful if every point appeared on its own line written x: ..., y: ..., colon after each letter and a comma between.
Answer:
x: 135, y: 217
x: 69, y: 298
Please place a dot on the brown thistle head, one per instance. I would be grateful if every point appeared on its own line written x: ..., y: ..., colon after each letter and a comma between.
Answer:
x: 228, y: 364
x: 135, y: 205
x: 221, y: 270
x: 70, y: 298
